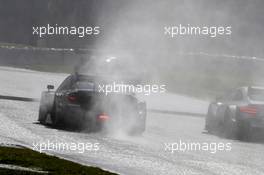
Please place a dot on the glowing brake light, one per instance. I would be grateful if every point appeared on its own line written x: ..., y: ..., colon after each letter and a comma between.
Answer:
x: 248, y: 109
x: 72, y: 98
x: 103, y: 117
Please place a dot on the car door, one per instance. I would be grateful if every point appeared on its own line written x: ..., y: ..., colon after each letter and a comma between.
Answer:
x: 60, y: 95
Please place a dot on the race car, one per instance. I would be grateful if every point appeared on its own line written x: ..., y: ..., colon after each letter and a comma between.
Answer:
x: 238, y: 114
x: 80, y: 102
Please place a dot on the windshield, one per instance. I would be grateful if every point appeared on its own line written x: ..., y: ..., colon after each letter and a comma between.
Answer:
x: 256, y: 94
x: 84, y: 85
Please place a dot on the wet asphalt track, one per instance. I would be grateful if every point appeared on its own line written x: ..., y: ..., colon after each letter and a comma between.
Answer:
x: 120, y: 153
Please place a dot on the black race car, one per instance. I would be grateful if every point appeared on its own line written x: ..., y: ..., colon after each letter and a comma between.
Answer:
x: 79, y: 102
x: 237, y: 114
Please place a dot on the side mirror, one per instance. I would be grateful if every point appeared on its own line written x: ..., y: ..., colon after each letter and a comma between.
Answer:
x: 50, y: 87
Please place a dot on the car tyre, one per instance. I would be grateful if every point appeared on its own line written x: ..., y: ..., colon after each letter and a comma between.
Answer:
x: 246, y: 132
x: 208, y: 123
x: 230, y: 127
x: 43, y: 115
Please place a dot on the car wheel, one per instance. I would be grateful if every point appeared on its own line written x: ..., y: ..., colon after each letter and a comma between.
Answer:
x: 208, y: 123
x: 42, y: 115
x: 246, y: 132
x: 229, y: 127
x: 54, y: 119
x: 89, y: 123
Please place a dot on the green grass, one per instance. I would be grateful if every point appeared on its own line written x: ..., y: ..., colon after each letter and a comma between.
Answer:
x: 54, y: 165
